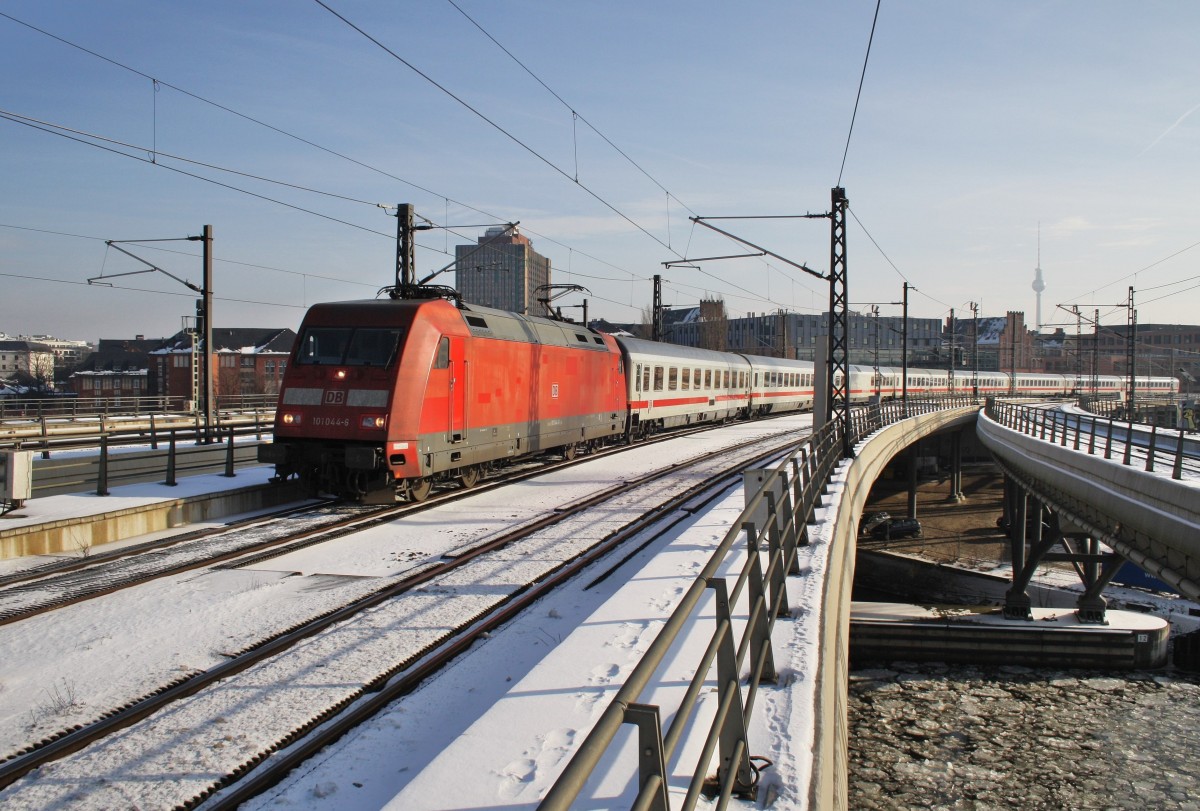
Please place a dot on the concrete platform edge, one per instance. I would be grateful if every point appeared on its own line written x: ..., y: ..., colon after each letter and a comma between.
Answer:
x: 80, y: 534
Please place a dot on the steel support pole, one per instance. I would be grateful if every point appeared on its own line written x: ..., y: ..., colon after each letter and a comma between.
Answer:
x: 405, y: 266
x: 839, y: 321
x: 207, y: 356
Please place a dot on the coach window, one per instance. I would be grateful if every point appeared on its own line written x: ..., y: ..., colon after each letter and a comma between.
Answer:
x: 637, y: 378
x: 708, y: 378
x: 672, y: 379
x: 443, y: 354
x: 646, y: 378
x: 686, y: 380
x: 658, y: 378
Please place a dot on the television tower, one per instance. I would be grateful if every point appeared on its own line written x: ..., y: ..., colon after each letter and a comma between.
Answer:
x: 1038, y: 284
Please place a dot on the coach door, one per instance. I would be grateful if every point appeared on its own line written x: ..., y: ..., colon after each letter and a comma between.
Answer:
x: 457, y: 422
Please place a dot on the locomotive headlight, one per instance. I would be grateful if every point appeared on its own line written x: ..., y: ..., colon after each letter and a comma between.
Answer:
x: 373, y: 422
x: 291, y: 419
x: 340, y: 374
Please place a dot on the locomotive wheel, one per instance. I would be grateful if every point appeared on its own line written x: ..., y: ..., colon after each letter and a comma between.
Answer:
x: 469, y: 477
x: 419, y: 489
x: 568, y: 452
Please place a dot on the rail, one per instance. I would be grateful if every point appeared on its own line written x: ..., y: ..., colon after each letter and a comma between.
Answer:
x: 779, y: 511
x: 1166, y: 448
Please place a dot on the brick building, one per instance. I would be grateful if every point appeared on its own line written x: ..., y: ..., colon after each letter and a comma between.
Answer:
x: 118, y: 369
x: 1160, y: 350
x: 246, y: 361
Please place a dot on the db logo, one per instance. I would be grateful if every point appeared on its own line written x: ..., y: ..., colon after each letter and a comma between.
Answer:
x: 335, y: 397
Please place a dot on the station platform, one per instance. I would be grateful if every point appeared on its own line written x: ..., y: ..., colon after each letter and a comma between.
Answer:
x: 74, y: 523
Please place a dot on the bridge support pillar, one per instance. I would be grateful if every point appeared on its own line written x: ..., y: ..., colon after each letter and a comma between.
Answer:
x: 912, y: 480
x: 1024, y: 513
x: 956, y: 493
x: 1096, y: 570
x: 1017, y: 604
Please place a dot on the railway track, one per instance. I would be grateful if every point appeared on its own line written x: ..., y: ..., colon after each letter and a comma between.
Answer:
x: 376, y: 629
x: 33, y: 591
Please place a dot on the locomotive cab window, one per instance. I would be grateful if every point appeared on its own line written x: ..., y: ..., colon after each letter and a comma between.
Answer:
x: 442, y: 361
x: 373, y: 347
x: 348, y: 346
x: 323, y: 345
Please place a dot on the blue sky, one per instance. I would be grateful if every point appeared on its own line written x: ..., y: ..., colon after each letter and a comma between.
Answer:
x: 979, y: 123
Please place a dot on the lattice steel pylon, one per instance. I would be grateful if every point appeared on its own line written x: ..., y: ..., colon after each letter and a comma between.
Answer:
x: 839, y: 328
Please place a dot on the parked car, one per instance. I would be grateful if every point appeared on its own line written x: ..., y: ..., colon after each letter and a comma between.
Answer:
x: 870, y: 521
x: 897, y: 528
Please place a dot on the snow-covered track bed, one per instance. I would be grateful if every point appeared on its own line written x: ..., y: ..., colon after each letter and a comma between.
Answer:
x: 48, y: 590
x: 215, y: 727
x: 28, y: 592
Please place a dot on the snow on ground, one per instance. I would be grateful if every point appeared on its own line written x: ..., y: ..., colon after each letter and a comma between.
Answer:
x: 1190, y: 475
x: 66, y: 666
x: 79, y: 505
x: 497, y: 728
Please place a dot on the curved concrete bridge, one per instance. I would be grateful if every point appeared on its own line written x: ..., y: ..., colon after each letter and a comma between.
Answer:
x: 1148, y: 517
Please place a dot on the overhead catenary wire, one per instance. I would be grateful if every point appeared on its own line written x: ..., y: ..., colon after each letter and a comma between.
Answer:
x: 861, y: 79
x: 218, y: 259
x: 595, y: 195
x: 315, y: 145
x: 64, y: 132
x: 625, y: 274
x: 1142, y: 270
x: 29, y: 277
x: 574, y: 112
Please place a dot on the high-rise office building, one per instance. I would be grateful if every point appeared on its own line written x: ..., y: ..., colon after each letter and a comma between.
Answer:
x: 502, y: 271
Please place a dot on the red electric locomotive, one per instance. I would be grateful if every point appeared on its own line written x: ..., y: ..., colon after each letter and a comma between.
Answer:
x: 382, y: 397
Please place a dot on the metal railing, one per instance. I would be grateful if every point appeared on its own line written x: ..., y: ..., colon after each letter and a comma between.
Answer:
x: 174, y: 455
x: 1161, y: 409
x: 779, y: 512
x: 1100, y: 435
x: 49, y: 434
x: 72, y: 406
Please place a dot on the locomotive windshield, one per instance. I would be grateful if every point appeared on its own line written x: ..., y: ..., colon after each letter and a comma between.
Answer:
x: 348, y: 346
